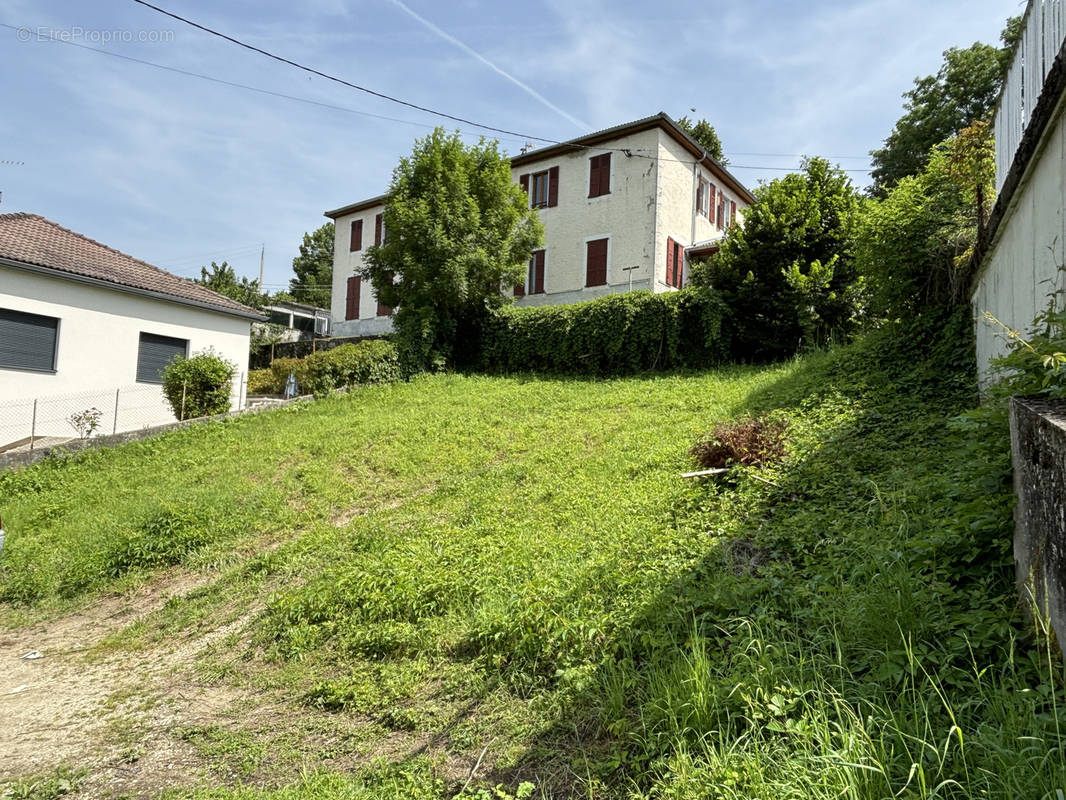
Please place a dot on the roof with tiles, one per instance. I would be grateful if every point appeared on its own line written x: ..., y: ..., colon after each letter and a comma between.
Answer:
x: 33, y: 240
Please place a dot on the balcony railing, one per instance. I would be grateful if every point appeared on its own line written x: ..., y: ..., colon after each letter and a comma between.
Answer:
x: 1043, y: 32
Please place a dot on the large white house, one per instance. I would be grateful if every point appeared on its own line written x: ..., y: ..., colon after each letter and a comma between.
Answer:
x: 84, y: 327
x: 624, y: 208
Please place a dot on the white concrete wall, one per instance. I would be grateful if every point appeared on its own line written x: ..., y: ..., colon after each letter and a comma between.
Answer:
x: 626, y: 217
x: 1021, y: 268
x: 98, y: 339
x: 346, y: 264
x: 676, y: 204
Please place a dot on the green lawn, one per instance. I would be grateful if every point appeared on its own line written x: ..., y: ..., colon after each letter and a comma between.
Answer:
x: 512, y: 568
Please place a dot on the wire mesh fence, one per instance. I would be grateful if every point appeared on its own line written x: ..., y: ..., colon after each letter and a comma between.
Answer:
x: 48, y: 419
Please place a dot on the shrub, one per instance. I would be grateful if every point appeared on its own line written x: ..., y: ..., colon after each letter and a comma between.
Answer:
x: 199, y: 386
x: 370, y: 361
x: 263, y: 381
x: 751, y: 441
x: 614, y: 335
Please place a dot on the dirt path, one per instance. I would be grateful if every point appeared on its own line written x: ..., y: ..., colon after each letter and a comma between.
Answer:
x: 64, y: 708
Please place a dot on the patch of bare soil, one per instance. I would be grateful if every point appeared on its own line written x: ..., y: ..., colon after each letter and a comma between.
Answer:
x: 61, y: 708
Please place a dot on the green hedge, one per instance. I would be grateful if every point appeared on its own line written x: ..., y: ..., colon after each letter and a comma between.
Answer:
x: 370, y: 361
x: 614, y: 335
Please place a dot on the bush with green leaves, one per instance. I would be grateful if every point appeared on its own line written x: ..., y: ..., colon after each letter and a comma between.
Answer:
x: 788, y: 275
x: 370, y: 361
x: 262, y: 381
x: 199, y: 386
x: 614, y: 335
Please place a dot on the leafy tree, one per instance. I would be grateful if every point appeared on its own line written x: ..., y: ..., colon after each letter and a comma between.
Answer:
x: 963, y: 91
x: 704, y: 134
x: 457, y: 230
x: 314, y: 268
x: 223, y: 279
x: 916, y: 245
x: 788, y: 275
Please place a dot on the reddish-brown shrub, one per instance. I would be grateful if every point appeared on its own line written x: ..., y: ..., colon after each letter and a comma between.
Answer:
x: 752, y: 441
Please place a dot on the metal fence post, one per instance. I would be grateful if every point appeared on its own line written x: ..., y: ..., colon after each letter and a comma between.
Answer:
x: 114, y: 428
x: 181, y: 416
x: 241, y: 394
x: 33, y: 424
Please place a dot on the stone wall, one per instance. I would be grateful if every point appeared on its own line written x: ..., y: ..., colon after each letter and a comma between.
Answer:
x: 1038, y: 453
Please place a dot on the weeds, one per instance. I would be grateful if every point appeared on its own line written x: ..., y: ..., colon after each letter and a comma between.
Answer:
x: 849, y: 631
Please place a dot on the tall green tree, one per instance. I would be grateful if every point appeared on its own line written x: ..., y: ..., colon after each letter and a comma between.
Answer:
x: 788, y: 275
x: 704, y: 134
x: 314, y: 268
x: 963, y: 91
x: 916, y: 245
x: 223, y: 279
x: 457, y: 230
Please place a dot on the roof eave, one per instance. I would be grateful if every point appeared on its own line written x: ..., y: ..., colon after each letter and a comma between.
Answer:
x: 51, y: 272
x: 361, y: 205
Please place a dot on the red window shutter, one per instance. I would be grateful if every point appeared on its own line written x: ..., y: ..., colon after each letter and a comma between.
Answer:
x: 594, y: 176
x: 679, y: 265
x: 355, y: 242
x: 669, y: 261
x: 553, y: 187
x: 377, y: 228
x: 538, y: 272
x: 523, y: 181
x: 710, y: 205
x: 605, y: 173
x: 732, y: 212
x: 596, y: 262
x: 351, y: 307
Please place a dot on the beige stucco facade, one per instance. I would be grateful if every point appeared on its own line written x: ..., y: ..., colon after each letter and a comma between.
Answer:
x: 96, y: 354
x: 1021, y: 268
x: 654, y: 176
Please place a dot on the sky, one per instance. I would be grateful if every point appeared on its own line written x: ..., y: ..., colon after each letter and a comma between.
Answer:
x: 179, y: 170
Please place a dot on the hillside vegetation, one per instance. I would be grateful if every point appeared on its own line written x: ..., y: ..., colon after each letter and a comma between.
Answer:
x: 505, y: 582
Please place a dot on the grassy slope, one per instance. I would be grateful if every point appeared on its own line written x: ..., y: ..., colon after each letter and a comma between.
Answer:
x: 515, y: 563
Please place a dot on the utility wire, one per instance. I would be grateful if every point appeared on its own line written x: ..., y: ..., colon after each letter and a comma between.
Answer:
x: 333, y: 78
x: 392, y: 99
x: 319, y: 103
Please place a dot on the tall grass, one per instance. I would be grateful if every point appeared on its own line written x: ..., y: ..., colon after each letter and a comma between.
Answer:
x: 513, y: 566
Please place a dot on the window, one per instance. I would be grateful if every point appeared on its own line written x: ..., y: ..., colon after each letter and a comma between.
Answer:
x: 535, y: 280
x: 675, y: 263
x: 600, y: 175
x: 351, y: 303
x: 596, y: 262
x: 542, y: 187
x: 703, y: 198
x: 28, y: 341
x: 538, y: 184
x: 154, y: 353
x: 356, y: 240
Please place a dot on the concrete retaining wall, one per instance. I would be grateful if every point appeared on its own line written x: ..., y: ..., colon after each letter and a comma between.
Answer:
x: 1038, y: 453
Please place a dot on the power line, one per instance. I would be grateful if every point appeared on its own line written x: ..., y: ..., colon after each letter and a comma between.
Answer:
x: 234, y: 84
x: 333, y: 78
x: 309, y: 101
x: 392, y: 99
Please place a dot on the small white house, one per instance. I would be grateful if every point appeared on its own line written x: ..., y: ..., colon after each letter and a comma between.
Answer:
x: 85, y: 328
x: 624, y: 208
